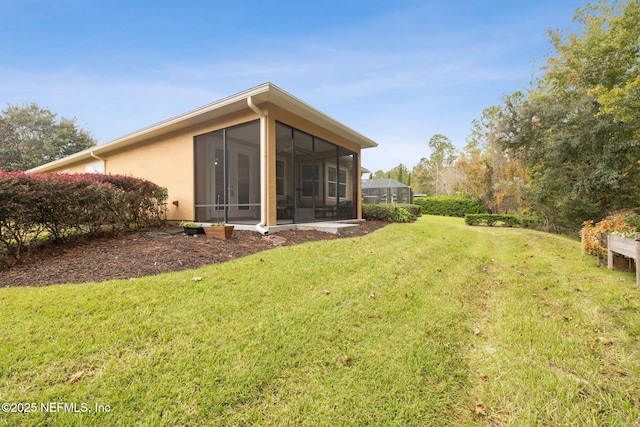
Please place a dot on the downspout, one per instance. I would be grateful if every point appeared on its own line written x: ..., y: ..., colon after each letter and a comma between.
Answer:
x: 104, y: 162
x: 263, y: 167
x: 95, y: 156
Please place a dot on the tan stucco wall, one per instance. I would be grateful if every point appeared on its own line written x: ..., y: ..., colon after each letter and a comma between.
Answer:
x: 168, y: 160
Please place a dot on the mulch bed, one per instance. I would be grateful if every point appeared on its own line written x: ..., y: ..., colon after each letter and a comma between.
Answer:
x: 148, y: 253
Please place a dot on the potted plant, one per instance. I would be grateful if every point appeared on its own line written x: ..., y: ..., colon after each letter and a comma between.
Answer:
x: 191, y: 228
x: 221, y: 231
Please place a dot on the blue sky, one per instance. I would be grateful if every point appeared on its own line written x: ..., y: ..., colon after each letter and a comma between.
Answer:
x: 397, y: 71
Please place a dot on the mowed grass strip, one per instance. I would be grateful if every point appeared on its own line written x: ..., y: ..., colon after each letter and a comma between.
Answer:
x: 430, y: 323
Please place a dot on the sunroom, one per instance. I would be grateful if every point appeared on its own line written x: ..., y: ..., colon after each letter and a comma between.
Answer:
x: 259, y: 159
x: 315, y: 180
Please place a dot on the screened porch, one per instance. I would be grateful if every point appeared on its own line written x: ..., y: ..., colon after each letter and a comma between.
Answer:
x: 315, y: 180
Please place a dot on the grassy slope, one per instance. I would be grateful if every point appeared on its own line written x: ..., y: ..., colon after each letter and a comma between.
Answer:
x: 430, y: 323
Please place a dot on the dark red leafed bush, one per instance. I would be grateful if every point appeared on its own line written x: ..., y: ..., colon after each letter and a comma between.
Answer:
x: 138, y: 203
x: 61, y: 205
x: 19, y: 219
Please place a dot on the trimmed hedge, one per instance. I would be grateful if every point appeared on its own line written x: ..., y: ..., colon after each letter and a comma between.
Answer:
x: 141, y: 203
x: 457, y: 206
x: 391, y: 212
x: 499, y: 219
x: 62, y: 205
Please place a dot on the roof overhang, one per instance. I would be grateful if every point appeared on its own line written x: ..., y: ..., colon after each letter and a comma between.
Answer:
x: 265, y: 93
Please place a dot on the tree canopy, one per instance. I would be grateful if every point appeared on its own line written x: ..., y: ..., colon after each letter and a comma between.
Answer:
x: 571, y: 129
x: 435, y: 175
x: 31, y: 136
x: 566, y: 149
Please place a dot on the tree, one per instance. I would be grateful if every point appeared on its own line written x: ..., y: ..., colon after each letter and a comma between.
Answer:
x: 37, y: 137
x: 582, y: 159
x: 398, y: 173
x: 379, y: 174
x: 488, y: 171
x: 422, y: 177
x: 621, y: 98
x: 10, y: 153
x: 435, y: 175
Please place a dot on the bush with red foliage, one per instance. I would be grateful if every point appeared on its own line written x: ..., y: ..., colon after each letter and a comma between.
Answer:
x: 62, y: 205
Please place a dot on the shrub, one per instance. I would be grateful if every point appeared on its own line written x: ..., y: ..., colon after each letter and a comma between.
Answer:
x: 500, y: 219
x: 136, y: 202
x: 457, y: 206
x: 62, y: 205
x: 66, y: 203
x: 19, y: 219
x: 594, y: 236
x: 391, y: 212
x: 414, y: 210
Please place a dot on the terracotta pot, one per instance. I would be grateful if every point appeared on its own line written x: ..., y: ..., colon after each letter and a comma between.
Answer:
x: 219, y: 231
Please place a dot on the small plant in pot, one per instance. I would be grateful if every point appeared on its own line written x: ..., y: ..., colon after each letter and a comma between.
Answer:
x: 191, y: 228
x: 219, y: 229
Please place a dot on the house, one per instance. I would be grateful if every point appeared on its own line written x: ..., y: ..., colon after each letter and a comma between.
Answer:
x: 261, y: 158
x: 386, y: 191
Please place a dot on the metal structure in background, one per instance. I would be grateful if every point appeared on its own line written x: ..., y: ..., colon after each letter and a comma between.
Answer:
x: 385, y: 191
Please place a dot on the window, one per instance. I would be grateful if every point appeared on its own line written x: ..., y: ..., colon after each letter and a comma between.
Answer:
x: 95, y: 167
x: 337, y: 181
x: 332, y: 180
x: 342, y: 184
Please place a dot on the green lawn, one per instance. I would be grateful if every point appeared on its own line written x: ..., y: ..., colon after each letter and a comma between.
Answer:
x: 430, y: 323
